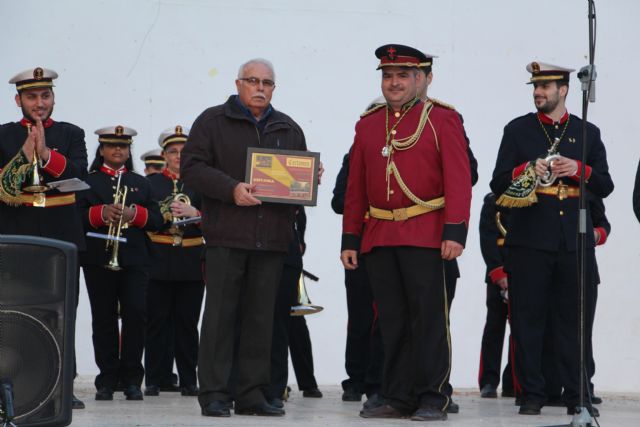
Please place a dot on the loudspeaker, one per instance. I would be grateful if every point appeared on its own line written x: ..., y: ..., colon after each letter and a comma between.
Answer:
x: 38, y: 279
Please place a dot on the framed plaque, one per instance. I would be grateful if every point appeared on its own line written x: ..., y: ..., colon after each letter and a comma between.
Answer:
x: 283, y: 176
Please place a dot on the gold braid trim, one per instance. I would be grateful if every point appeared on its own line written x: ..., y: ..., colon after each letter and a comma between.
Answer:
x: 12, y: 177
x: 410, y: 141
x: 442, y: 104
x: 373, y: 109
x: 405, y: 144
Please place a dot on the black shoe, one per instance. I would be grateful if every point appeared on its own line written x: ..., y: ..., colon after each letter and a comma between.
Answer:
x: 152, y: 390
x: 263, y: 410
x: 453, y: 407
x: 382, y: 411
x: 104, y: 393
x: 217, y: 408
x: 508, y: 393
x: 170, y: 388
x: 373, y: 401
x: 530, y: 408
x: 312, y: 392
x: 277, y: 402
x: 593, y: 411
x: 596, y: 400
x: 76, y: 403
x: 518, y: 401
x: 489, y: 391
x: 133, y: 392
x: 429, y: 413
x: 189, y: 390
x: 555, y: 402
x: 350, y: 395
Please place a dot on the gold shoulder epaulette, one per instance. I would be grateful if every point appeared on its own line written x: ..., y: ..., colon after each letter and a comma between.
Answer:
x: 442, y: 104
x: 373, y: 109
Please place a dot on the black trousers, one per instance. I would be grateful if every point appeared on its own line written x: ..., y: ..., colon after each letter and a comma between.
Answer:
x: 551, y: 362
x: 364, y: 354
x: 173, y: 306
x: 544, y: 290
x: 290, y: 333
x: 118, y: 354
x: 241, y: 292
x: 408, y: 285
x: 493, y: 342
x: 301, y: 353
x: 451, y: 274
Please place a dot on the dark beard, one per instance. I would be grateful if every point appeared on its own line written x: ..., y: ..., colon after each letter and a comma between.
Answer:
x: 548, y: 107
x: 32, y: 119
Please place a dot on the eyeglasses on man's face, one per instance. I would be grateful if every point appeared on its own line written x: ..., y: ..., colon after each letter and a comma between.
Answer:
x: 255, y: 82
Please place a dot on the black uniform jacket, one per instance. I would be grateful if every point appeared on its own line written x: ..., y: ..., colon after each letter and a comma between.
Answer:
x: 550, y: 224
x: 68, y: 160
x: 135, y: 252
x: 491, y: 239
x: 297, y: 246
x: 170, y: 262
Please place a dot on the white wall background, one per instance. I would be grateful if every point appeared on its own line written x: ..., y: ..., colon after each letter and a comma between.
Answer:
x: 152, y: 64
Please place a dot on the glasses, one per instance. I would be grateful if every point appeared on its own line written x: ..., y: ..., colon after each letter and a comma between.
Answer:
x: 255, y: 82
x: 172, y: 152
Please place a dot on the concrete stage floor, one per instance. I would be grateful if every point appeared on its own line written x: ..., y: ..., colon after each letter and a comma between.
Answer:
x: 171, y: 409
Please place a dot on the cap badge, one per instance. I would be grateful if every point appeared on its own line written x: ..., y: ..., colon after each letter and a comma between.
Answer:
x: 391, y: 53
x: 535, y: 67
x: 119, y: 131
x: 38, y: 73
x: 178, y: 130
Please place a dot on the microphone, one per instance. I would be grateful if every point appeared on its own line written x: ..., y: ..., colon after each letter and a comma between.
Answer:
x: 6, y: 394
x: 587, y: 76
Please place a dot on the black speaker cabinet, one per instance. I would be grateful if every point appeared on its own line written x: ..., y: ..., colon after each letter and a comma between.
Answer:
x: 37, y: 325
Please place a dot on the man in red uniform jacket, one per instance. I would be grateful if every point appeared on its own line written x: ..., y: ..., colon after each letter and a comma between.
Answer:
x: 409, y: 171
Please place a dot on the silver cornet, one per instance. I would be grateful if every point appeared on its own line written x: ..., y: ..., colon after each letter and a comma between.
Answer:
x: 549, y: 177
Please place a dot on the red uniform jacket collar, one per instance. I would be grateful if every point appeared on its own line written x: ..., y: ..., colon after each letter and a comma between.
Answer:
x: 47, y: 123
x: 166, y: 172
x: 549, y: 121
x: 112, y: 172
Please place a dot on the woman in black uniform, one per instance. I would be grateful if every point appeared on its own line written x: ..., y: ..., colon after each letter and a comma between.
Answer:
x: 117, y: 277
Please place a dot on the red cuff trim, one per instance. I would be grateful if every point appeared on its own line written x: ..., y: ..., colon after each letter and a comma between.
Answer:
x: 140, y: 217
x: 56, y: 165
x: 497, y: 274
x: 518, y: 170
x: 587, y: 172
x: 95, y: 216
x: 602, y: 236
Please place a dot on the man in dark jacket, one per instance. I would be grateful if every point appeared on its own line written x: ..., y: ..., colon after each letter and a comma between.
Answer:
x: 246, y: 240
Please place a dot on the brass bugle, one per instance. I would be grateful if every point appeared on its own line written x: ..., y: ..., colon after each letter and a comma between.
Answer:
x: 34, y: 183
x: 304, y: 305
x: 119, y: 198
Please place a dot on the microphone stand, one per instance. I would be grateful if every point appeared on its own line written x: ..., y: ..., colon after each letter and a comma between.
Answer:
x: 587, y: 76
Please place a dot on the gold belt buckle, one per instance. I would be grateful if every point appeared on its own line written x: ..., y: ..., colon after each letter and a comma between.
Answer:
x: 400, y: 214
x: 39, y: 200
x: 177, y: 240
x: 562, y: 191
